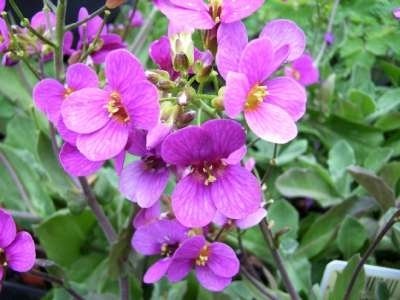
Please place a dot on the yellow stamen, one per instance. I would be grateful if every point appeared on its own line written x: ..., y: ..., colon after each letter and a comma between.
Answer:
x: 202, y: 259
x: 256, y: 96
x: 116, y: 109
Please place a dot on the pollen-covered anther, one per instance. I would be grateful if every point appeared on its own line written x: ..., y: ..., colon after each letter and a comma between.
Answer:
x: 202, y: 259
x: 296, y: 74
x: 209, y: 177
x: 68, y: 91
x: 256, y: 96
x: 115, y: 108
x: 165, y: 251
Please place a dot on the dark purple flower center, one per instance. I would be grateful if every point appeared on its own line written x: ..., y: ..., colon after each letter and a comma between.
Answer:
x: 168, y: 250
x: 256, y: 96
x: 204, y: 254
x: 116, y: 109
x: 153, y: 162
x: 208, y: 172
x: 215, y: 10
x: 3, y: 261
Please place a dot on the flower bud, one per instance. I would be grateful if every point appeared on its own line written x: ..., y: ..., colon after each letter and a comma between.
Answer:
x: 111, y: 4
x: 182, y: 51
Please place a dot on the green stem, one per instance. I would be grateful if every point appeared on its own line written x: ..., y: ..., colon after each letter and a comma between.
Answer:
x: 272, y: 163
x: 137, y: 44
x: 91, y: 16
x: 127, y: 24
x: 60, y: 24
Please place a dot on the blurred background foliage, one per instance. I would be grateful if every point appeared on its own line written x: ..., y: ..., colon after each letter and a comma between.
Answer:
x: 332, y: 186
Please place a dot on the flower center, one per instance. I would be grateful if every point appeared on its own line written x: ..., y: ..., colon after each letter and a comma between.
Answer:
x: 295, y: 74
x: 215, y: 9
x: 256, y: 96
x: 1, y: 39
x: 204, y: 254
x: 208, y: 172
x: 116, y: 109
x: 3, y: 261
x: 153, y: 163
x: 68, y: 91
x: 168, y: 250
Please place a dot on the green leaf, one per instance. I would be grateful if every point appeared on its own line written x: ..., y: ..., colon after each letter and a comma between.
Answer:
x: 377, y: 158
x: 22, y: 134
x: 340, y: 157
x: 375, y: 186
x: 13, y: 88
x: 291, y: 152
x: 30, y: 177
x: 390, y: 173
x: 351, y: 236
x: 63, y: 235
x: 388, y: 102
x: 344, y: 278
x: 392, y: 71
x: 390, y: 121
x: 284, y: 216
x: 298, y: 182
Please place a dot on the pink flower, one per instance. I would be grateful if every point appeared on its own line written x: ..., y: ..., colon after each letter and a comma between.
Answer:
x: 144, y: 180
x: 103, y: 119
x: 214, y: 181
x: 162, y: 238
x: 17, y: 250
x: 270, y: 106
x: 245, y: 223
x: 396, y: 13
x: 303, y: 70
x: 4, y: 36
x: 206, y: 16
x: 136, y: 19
x: 2, y: 5
x: 214, y: 264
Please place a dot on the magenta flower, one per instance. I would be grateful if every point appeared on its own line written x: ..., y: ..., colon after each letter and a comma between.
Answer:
x: 107, y: 41
x: 271, y: 106
x: 161, y: 54
x: 396, y: 13
x: 206, y: 16
x: 49, y: 94
x: 4, y: 36
x: 136, y: 19
x: 144, y: 180
x: 303, y: 70
x: 17, y: 250
x: 104, y: 118
x: 214, y: 263
x: 245, y: 223
x: 146, y: 216
x: 162, y: 238
x: 213, y: 182
x: 2, y: 5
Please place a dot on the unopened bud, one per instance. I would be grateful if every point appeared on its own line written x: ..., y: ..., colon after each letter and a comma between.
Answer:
x: 111, y: 4
x: 218, y: 103
x: 184, y: 119
x: 181, y: 62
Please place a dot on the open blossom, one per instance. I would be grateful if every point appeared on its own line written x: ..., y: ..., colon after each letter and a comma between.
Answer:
x: 17, y: 250
x: 270, y: 106
x: 206, y: 16
x: 106, y: 42
x: 4, y: 36
x: 214, y: 181
x: 162, y: 238
x: 144, y: 180
x: 104, y: 119
x: 303, y: 70
x: 214, y: 264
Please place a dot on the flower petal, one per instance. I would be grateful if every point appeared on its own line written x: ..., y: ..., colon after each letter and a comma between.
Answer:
x: 137, y: 142
x: 232, y: 39
x: 156, y: 271
x: 236, y: 193
x: 92, y: 26
x: 235, y: 10
x: 271, y: 123
x: 142, y: 185
x: 147, y: 215
x: 190, y: 4
x: 21, y: 255
x: 48, y: 95
x: 122, y: 68
x: 236, y: 156
x: 211, y: 281
x: 307, y: 70
x: 252, y: 219
x: 105, y: 143
x: 287, y: 94
x: 85, y: 110
x: 156, y: 135
x: 67, y: 135
x: 227, y: 136
x: 142, y: 105
x: 160, y: 53
x: 75, y: 164
x: 80, y: 76
x: 235, y: 95
x: 119, y: 161
x: 198, y: 19
x: 192, y: 203
x: 7, y: 229
x: 179, y: 270
x: 223, y: 260
x: 186, y: 146
x: 285, y: 32
x: 257, y: 60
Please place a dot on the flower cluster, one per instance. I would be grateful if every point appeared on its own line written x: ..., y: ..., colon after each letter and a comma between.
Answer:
x: 17, y: 249
x: 123, y: 110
